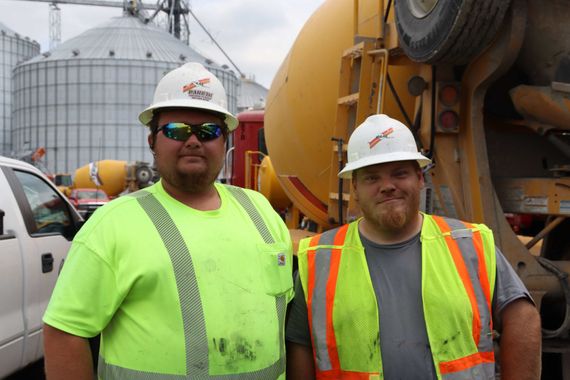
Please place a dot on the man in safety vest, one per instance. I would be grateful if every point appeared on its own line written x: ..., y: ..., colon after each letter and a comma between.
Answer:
x: 187, y: 278
x: 400, y: 294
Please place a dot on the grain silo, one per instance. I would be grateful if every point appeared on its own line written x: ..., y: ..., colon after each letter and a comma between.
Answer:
x: 13, y: 50
x: 81, y: 100
x: 252, y: 95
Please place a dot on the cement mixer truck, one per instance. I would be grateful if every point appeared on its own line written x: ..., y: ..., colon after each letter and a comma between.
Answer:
x: 114, y: 176
x: 485, y: 87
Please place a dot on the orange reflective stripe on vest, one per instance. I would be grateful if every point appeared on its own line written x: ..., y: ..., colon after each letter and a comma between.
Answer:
x: 331, y: 289
x: 466, y: 362
x: 483, y: 275
x: 463, y: 273
x: 481, y: 329
x: 321, y: 313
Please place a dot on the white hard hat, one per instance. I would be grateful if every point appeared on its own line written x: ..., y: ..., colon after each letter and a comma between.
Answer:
x: 380, y: 139
x: 190, y: 86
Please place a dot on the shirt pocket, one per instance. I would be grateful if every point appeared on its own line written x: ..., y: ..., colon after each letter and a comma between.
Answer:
x: 276, y: 263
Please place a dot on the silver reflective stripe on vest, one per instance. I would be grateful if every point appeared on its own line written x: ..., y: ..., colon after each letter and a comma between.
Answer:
x: 240, y: 195
x: 319, y: 300
x: 195, y: 339
x: 463, y: 236
x: 110, y: 371
x: 484, y: 371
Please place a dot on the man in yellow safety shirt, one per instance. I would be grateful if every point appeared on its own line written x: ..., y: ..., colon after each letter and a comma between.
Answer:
x: 400, y: 294
x: 185, y: 279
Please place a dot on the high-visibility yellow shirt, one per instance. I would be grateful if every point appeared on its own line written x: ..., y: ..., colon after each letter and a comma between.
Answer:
x: 212, y: 303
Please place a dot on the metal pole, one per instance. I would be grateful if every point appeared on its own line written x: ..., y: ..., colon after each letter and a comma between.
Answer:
x: 545, y: 231
x: 339, y: 143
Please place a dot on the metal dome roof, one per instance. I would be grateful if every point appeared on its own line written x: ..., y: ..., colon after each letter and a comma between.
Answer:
x: 125, y: 37
x: 5, y: 29
x: 9, y: 32
x: 252, y: 94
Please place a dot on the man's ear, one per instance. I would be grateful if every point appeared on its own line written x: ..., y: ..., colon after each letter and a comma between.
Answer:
x: 150, y: 140
x: 421, y: 177
x: 353, y: 184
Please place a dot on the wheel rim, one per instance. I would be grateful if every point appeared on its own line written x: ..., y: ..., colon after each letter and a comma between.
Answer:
x: 421, y: 8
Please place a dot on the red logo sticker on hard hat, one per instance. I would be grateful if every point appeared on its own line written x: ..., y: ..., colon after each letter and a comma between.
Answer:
x: 281, y: 259
x: 196, y: 83
x: 379, y: 137
x: 197, y: 89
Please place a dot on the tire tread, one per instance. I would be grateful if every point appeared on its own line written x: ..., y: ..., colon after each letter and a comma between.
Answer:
x: 475, y: 25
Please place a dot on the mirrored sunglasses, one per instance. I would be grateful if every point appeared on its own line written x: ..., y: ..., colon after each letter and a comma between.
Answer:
x: 183, y: 131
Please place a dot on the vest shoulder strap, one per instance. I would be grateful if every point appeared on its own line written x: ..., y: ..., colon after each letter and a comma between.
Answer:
x: 243, y: 200
x: 246, y: 203
x: 437, y: 226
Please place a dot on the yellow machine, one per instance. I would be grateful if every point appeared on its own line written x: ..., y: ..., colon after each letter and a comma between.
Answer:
x: 113, y: 176
x: 485, y: 87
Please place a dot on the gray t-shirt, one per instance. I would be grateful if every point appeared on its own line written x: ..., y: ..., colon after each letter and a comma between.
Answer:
x: 395, y: 271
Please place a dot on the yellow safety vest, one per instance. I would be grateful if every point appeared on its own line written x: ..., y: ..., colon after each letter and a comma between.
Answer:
x: 458, y: 278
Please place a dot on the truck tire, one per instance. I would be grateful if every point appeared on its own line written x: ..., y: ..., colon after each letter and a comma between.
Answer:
x: 445, y: 31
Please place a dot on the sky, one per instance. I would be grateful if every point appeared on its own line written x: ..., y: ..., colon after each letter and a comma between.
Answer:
x: 256, y: 34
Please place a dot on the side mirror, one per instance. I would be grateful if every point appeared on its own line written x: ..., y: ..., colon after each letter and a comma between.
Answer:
x: 71, y: 230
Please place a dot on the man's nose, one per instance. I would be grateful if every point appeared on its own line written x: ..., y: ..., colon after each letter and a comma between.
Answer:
x: 386, y: 185
x: 192, y: 141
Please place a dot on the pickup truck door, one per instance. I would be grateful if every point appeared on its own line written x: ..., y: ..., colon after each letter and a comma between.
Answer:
x: 50, y: 223
x: 11, y: 283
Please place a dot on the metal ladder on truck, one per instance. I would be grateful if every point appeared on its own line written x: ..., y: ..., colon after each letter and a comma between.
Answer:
x: 363, y: 73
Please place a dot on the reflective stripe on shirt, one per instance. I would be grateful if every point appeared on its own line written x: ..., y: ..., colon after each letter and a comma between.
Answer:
x: 195, y: 338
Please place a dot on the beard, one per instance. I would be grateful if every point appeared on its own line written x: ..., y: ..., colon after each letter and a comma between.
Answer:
x: 389, y: 219
x: 190, y: 182
x: 393, y: 217
x: 195, y: 181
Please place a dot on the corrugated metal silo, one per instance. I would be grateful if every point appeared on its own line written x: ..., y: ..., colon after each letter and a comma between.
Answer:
x: 13, y: 50
x: 252, y: 95
x: 81, y: 100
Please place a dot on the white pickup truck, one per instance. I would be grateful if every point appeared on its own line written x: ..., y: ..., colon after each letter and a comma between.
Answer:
x: 37, y: 224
